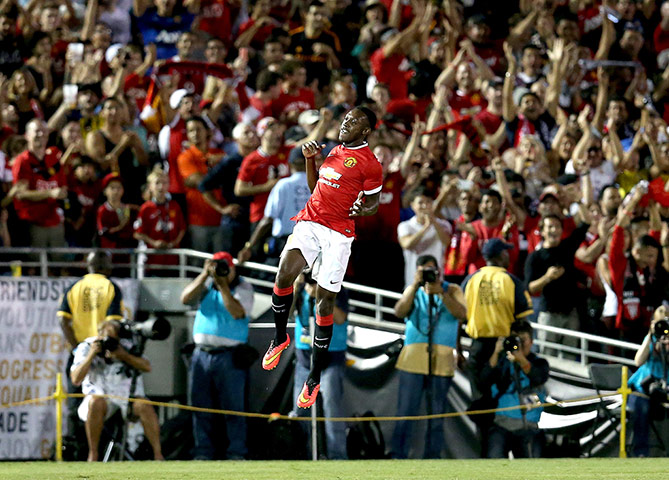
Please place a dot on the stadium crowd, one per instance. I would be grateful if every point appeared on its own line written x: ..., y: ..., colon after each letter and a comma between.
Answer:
x: 168, y: 123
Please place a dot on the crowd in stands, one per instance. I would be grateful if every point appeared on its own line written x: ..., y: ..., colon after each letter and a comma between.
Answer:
x: 167, y: 123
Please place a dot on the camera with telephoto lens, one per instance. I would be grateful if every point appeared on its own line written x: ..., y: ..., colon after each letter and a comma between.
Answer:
x: 512, y: 343
x: 430, y: 275
x: 222, y: 268
x: 656, y: 389
x: 661, y: 328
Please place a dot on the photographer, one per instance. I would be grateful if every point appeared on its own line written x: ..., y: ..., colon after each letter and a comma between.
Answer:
x: 103, y: 366
x: 516, y: 376
x: 432, y: 310
x: 220, y: 363
x: 651, y: 378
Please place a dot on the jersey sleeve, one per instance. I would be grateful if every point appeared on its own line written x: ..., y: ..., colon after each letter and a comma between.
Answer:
x: 115, y: 309
x: 139, y: 226
x: 373, y: 177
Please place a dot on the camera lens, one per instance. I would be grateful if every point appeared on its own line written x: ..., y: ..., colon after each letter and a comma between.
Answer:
x: 661, y: 328
x: 512, y: 344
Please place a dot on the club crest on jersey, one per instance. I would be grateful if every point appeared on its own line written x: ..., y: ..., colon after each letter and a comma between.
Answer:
x: 350, y: 162
x: 329, y: 173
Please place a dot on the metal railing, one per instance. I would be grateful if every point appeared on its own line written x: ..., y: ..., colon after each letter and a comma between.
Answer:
x: 372, y: 305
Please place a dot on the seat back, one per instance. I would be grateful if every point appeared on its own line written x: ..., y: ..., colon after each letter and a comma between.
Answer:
x: 605, y: 377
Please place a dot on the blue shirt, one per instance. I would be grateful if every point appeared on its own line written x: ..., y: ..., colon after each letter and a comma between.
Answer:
x: 652, y: 367
x: 417, y: 323
x: 214, y: 325
x: 164, y: 31
x: 286, y: 199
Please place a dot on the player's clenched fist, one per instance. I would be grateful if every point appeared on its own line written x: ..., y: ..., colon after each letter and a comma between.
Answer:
x: 311, y: 149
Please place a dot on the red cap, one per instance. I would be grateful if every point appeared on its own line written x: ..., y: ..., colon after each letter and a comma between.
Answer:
x: 110, y: 177
x: 223, y: 256
x: 205, y: 103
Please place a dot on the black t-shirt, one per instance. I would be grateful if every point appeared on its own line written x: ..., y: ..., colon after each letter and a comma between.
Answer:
x: 302, y: 48
x: 223, y: 176
x: 11, y: 55
x: 560, y: 296
x: 544, y: 127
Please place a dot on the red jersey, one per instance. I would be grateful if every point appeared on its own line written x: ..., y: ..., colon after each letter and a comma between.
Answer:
x: 263, y: 33
x: 387, y: 70
x: 467, y: 103
x: 475, y: 258
x: 108, y: 218
x: 161, y: 222
x: 257, y: 168
x: 136, y: 89
x: 40, y: 175
x: 345, y: 173
x: 215, y: 18
x: 455, y: 257
x: 287, y: 103
x: 384, y: 223
x: 594, y: 285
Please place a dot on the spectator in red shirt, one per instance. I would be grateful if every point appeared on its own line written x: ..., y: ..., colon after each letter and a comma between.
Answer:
x: 294, y: 98
x: 493, y: 223
x: 455, y: 263
x: 115, y: 218
x: 84, y: 191
x: 160, y: 223
x: 194, y: 163
x: 389, y: 62
x: 268, y: 89
x: 478, y: 31
x: 638, y: 277
x: 41, y: 183
x: 258, y: 28
x: 261, y: 170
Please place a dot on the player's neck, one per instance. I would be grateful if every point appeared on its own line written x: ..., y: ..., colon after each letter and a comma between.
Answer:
x: 354, y: 143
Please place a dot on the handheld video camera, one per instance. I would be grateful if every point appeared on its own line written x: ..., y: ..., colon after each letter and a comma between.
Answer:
x: 512, y: 343
x: 108, y: 344
x: 430, y: 275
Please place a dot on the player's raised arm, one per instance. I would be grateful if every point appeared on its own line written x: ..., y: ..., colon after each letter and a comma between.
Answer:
x: 365, y: 205
x: 310, y: 150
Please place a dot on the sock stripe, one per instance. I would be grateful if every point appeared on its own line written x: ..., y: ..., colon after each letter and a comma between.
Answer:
x: 282, y: 292
x: 324, y: 321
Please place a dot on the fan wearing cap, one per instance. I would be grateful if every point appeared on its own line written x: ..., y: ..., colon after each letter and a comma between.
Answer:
x: 551, y: 274
x: 495, y: 299
x: 219, y: 367
x: 347, y: 185
x: 41, y: 183
x: 115, y: 218
x: 84, y: 190
x: 261, y: 169
x: 294, y: 98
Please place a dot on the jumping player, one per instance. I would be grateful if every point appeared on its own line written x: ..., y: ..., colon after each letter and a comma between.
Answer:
x: 347, y: 185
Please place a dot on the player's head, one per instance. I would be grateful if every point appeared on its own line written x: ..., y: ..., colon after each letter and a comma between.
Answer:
x: 99, y: 261
x: 357, y: 125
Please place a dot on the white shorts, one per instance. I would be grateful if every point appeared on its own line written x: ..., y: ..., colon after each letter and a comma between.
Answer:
x: 113, y: 404
x: 325, y: 250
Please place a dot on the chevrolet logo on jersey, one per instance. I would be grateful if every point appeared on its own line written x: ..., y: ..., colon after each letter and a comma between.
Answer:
x: 329, y: 173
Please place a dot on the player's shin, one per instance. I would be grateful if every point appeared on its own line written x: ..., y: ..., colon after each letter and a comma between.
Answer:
x: 282, y: 299
x: 321, y: 344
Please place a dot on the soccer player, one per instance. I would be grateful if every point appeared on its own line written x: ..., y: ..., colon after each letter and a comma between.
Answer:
x: 347, y: 185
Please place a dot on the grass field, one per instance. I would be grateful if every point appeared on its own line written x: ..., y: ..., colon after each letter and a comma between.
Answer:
x: 609, y: 469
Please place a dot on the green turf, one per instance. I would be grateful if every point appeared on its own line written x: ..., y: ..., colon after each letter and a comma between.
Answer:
x: 609, y: 469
